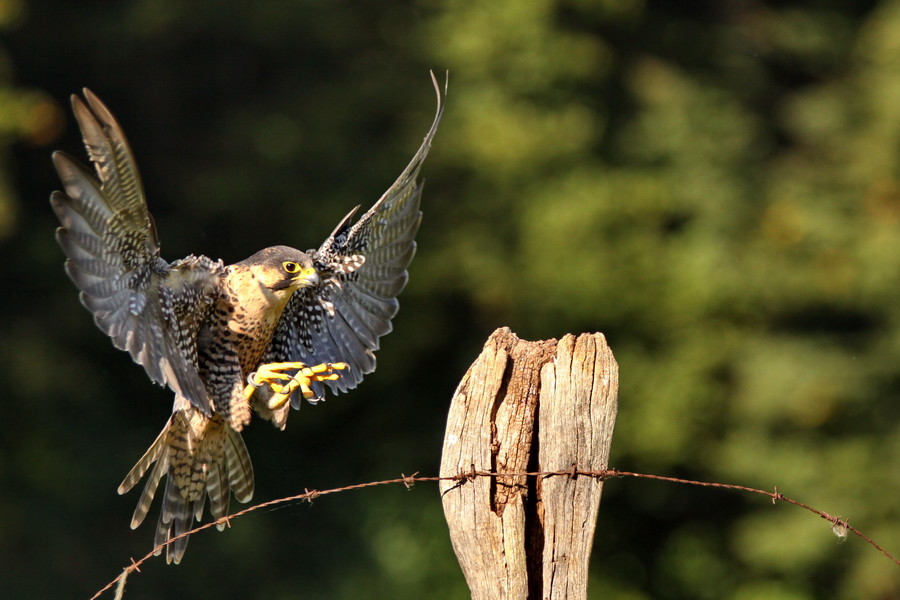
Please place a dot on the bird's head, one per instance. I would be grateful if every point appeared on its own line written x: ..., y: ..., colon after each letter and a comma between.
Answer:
x: 282, y: 270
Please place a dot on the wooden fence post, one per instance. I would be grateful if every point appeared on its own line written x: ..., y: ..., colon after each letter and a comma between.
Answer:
x: 529, y: 406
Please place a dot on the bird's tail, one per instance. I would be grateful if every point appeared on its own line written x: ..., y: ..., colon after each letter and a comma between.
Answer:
x: 202, y: 457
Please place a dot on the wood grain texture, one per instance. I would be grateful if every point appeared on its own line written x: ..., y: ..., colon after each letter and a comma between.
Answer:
x: 529, y: 406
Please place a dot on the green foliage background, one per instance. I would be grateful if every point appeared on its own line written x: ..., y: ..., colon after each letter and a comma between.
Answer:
x: 713, y: 185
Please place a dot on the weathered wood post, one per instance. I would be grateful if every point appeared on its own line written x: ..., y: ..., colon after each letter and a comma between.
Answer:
x: 526, y: 407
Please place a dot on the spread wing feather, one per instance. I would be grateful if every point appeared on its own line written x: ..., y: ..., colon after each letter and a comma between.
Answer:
x: 146, y: 305
x: 362, y: 267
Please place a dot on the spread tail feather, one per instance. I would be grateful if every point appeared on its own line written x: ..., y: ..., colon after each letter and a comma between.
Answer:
x: 201, y: 457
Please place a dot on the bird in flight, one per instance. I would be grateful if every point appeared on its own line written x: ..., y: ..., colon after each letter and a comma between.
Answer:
x: 258, y: 336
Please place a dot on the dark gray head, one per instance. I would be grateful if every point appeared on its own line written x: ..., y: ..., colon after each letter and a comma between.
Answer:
x: 282, y: 268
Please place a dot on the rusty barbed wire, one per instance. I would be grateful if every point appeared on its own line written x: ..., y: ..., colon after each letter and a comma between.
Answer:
x: 840, y: 526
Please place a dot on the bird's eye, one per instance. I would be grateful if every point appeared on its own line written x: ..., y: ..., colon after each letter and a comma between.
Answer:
x: 290, y: 267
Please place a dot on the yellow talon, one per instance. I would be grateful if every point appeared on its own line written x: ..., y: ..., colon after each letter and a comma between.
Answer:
x: 270, y: 374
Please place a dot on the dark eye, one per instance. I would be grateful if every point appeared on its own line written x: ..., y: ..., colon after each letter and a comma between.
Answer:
x: 290, y: 267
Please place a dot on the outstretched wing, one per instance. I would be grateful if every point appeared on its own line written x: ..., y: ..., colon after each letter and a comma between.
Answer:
x: 362, y: 267
x: 146, y: 306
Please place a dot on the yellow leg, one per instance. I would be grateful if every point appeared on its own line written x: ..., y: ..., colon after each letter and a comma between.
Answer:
x: 272, y: 373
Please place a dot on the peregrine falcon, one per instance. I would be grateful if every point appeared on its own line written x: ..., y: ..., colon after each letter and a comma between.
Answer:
x: 260, y: 334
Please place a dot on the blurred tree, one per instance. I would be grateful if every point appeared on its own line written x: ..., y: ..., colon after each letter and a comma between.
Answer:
x: 27, y: 115
x: 713, y: 185
x: 714, y: 188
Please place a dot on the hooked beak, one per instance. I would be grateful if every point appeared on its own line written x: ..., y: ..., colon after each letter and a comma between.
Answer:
x: 306, y: 278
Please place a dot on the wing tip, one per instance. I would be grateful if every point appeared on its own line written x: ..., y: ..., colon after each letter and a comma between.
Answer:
x: 99, y: 109
x: 62, y: 162
x: 441, y: 94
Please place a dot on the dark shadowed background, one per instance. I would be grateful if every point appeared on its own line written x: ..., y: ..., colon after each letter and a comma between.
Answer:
x: 714, y: 187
